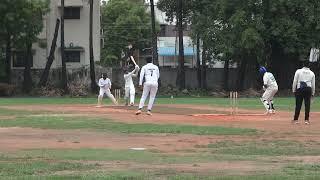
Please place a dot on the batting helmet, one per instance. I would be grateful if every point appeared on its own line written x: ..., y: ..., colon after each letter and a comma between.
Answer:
x: 262, y: 70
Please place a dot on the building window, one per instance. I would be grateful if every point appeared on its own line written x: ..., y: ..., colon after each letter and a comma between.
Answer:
x: 72, y: 12
x: 162, y: 30
x: 19, y: 59
x: 72, y: 56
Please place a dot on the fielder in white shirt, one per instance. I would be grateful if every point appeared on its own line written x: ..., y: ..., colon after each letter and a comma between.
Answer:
x: 270, y: 88
x: 304, y: 87
x: 150, y: 74
x: 130, y: 91
x: 105, y: 86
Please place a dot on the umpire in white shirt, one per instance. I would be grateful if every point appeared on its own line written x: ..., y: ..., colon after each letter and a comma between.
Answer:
x: 303, y: 87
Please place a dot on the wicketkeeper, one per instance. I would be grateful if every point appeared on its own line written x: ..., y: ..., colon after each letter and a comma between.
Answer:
x: 105, y: 86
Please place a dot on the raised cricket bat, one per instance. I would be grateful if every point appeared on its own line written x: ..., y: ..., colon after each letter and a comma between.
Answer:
x: 134, y: 62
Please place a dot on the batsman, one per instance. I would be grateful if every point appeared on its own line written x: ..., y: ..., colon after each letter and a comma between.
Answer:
x: 129, y: 86
x: 270, y: 88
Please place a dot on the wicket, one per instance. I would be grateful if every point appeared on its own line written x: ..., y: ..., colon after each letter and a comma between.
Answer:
x: 117, y: 94
x: 233, y: 102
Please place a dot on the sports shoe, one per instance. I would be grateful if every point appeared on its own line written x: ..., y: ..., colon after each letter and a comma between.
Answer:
x: 306, y: 122
x: 131, y: 104
x: 149, y: 113
x: 295, y: 122
x: 267, y: 112
x: 138, y: 112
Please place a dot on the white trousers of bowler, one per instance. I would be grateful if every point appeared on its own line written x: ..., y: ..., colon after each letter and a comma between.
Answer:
x: 108, y: 93
x: 130, y: 92
x: 148, y: 88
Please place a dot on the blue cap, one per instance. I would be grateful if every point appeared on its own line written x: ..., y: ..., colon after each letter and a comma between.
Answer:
x: 262, y: 70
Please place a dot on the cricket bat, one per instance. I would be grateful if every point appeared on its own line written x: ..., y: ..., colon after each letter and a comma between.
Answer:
x: 134, y: 62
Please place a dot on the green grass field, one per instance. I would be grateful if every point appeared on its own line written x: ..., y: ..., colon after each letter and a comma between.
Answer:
x: 231, y: 153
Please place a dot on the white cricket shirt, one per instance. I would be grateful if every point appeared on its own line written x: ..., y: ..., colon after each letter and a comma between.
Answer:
x: 104, y: 84
x: 150, y: 73
x: 269, y: 80
x: 304, y: 75
x: 128, y: 77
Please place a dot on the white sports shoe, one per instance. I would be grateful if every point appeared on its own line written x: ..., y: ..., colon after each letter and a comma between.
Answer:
x: 149, y: 113
x: 138, y: 112
x: 307, y: 122
x: 295, y: 122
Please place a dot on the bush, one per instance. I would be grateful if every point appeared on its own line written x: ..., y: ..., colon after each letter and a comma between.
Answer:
x: 48, y: 91
x: 78, y: 88
x: 7, y: 89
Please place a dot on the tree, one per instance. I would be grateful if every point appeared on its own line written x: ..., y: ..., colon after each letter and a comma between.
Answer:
x: 180, y: 11
x: 11, y: 21
x: 33, y: 24
x: 248, y: 33
x: 124, y: 22
x: 94, y: 86
x: 21, y: 22
x: 229, y: 32
x: 45, y: 73
x: 170, y: 7
x: 154, y: 35
x: 64, y: 83
x: 181, y: 82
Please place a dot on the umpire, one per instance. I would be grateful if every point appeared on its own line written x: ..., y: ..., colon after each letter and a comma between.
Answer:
x: 303, y: 87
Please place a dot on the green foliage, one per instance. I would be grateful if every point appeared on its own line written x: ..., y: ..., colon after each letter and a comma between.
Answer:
x: 255, y: 31
x: 170, y: 8
x: 124, y: 22
x: 22, y: 19
x: 33, y: 13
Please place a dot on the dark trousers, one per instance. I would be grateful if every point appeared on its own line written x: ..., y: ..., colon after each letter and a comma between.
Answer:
x: 303, y: 94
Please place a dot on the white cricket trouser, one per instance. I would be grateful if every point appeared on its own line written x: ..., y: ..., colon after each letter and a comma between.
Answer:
x: 130, y: 93
x: 269, y: 94
x: 151, y: 88
x: 267, y: 97
x: 108, y: 93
